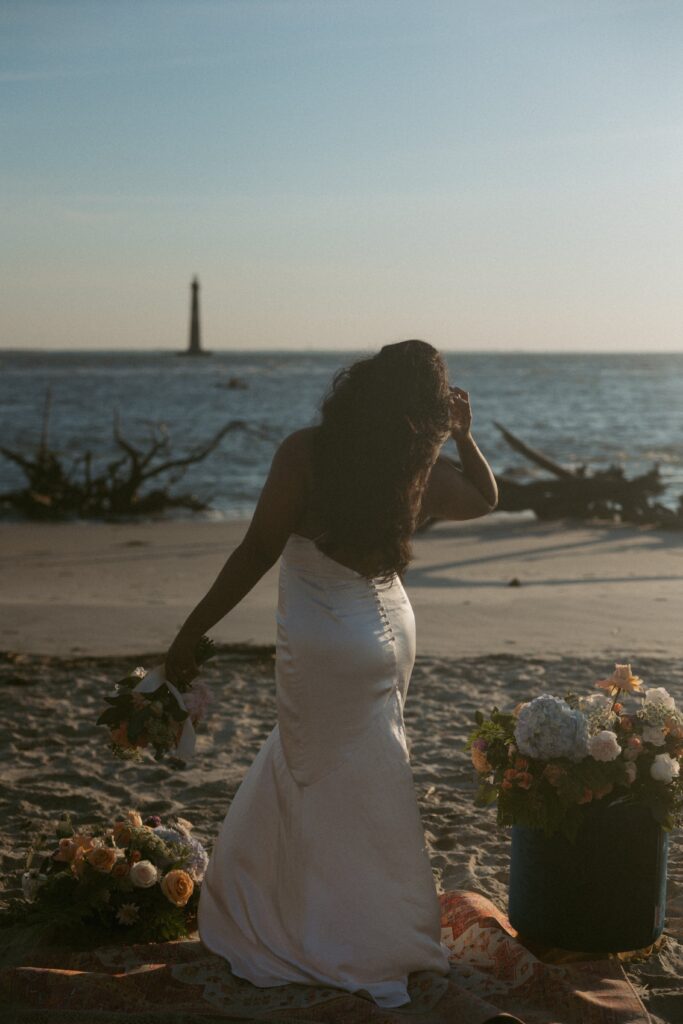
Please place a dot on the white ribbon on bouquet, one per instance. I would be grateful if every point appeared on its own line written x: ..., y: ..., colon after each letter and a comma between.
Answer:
x: 151, y: 682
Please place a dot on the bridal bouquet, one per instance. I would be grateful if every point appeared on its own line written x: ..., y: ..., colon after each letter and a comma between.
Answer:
x: 128, y: 881
x: 149, y: 711
x: 550, y: 756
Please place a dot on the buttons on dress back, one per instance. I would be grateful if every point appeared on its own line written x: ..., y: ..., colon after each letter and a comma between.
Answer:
x: 382, y: 611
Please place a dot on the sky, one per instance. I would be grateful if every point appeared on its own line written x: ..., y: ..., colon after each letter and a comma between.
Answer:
x: 487, y: 175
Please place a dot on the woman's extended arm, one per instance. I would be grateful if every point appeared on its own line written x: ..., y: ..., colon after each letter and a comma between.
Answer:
x: 467, y: 493
x: 279, y: 509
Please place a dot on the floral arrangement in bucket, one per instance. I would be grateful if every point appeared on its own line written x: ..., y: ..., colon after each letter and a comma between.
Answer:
x: 129, y: 881
x: 550, y: 756
x: 147, y: 711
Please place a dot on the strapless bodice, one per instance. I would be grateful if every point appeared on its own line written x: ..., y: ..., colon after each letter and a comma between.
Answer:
x: 345, y: 647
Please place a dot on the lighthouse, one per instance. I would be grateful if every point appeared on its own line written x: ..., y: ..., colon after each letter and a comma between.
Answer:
x: 194, y: 347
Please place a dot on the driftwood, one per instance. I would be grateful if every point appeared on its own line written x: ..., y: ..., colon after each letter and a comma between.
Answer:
x: 607, y: 494
x: 57, y: 490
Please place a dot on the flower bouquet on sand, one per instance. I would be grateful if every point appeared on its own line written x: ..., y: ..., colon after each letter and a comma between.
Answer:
x: 147, y: 711
x: 550, y: 756
x: 128, y: 881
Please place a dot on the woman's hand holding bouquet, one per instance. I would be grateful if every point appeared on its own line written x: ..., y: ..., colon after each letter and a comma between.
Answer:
x: 149, y: 710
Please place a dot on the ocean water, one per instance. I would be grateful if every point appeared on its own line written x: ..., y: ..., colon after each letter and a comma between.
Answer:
x: 590, y: 409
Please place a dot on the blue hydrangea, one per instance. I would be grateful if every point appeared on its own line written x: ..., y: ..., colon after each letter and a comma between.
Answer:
x: 197, y: 857
x: 547, y: 727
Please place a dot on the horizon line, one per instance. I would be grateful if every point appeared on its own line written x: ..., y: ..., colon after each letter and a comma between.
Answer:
x: 336, y: 351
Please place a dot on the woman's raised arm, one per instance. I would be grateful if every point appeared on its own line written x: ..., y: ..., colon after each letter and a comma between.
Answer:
x: 467, y: 493
x: 279, y: 509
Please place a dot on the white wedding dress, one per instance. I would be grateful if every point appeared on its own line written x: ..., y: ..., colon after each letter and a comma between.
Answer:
x: 319, y: 873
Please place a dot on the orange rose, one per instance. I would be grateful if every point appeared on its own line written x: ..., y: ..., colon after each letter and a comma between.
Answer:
x: 585, y: 797
x: 78, y: 863
x: 120, y: 869
x: 524, y: 780
x: 177, y: 886
x: 603, y: 790
x: 122, y: 833
x: 67, y: 850
x: 102, y: 858
x: 134, y: 818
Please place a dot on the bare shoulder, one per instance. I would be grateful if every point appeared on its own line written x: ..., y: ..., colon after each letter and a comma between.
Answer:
x: 296, y: 449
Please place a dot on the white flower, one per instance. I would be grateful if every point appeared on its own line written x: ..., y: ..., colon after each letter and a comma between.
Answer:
x: 31, y: 882
x: 603, y: 746
x: 664, y: 768
x: 127, y: 913
x: 658, y: 695
x: 547, y: 727
x: 651, y: 734
x: 630, y: 771
x: 144, y: 874
x: 597, y: 708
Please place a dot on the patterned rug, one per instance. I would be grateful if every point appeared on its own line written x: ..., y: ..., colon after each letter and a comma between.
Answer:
x: 492, y: 971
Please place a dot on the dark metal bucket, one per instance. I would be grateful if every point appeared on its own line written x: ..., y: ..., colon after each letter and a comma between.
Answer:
x: 605, y: 893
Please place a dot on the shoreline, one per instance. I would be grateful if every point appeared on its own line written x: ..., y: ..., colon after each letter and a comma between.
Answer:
x: 606, y: 591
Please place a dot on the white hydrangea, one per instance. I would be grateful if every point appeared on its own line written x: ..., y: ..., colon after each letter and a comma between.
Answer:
x: 658, y: 695
x: 659, y: 708
x: 197, y: 857
x: 665, y: 768
x: 547, y: 727
x: 604, y: 746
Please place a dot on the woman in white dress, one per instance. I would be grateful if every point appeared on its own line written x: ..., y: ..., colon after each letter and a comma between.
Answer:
x: 320, y: 873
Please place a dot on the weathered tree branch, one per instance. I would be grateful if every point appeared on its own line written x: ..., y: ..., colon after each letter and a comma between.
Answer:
x: 55, y: 491
x: 607, y: 494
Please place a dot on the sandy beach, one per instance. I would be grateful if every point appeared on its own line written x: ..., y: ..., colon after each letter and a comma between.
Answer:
x: 83, y: 603
x: 601, y: 591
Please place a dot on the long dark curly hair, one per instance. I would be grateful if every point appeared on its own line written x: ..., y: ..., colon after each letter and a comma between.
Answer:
x: 382, y: 424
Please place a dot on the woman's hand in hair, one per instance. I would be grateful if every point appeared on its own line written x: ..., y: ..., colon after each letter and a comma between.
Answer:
x: 461, y: 413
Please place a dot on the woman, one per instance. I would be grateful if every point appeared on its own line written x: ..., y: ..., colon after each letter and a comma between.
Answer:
x: 320, y: 872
